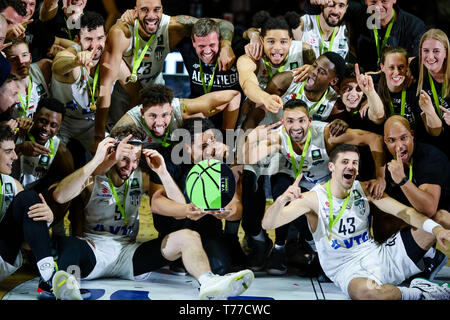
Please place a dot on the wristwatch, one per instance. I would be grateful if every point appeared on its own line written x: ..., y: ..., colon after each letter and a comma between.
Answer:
x: 404, y: 180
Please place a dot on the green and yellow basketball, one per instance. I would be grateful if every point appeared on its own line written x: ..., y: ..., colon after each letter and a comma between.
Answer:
x: 210, y: 184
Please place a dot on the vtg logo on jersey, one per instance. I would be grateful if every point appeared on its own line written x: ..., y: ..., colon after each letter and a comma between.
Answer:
x: 350, y: 242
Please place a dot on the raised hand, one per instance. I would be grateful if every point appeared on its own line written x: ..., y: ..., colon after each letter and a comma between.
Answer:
x: 294, y: 191
x: 154, y: 160
x: 395, y: 167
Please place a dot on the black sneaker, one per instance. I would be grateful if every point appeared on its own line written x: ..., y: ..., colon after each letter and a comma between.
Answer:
x: 275, y: 264
x: 434, y: 265
x: 258, y: 253
x: 45, y: 290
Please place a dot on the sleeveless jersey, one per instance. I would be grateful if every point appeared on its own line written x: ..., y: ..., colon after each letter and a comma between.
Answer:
x: 311, y: 35
x: 102, y: 215
x: 39, y: 90
x: 175, y: 123
x: 319, y: 112
x: 315, y: 165
x: 28, y: 170
x: 75, y: 95
x: 152, y: 66
x: 9, y: 190
x: 294, y: 60
x: 350, y: 237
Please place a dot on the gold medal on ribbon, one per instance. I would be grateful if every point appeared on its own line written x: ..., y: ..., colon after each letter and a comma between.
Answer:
x: 93, y: 107
x: 132, y: 78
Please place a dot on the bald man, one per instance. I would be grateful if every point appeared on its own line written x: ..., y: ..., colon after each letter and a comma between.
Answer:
x: 418, y: 176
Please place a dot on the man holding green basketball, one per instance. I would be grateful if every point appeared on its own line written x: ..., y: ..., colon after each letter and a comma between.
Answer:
x: 111, y: 187
x: 222, y: 246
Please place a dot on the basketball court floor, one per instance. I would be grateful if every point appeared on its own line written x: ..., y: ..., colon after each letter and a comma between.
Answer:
x: 162, y: 285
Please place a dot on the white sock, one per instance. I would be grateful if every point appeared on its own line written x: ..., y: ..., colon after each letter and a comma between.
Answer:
x: 46, y: 268
x: 430, y: 253
x: 410, y: 293
x: 279, y: 247
x: 259, y: 237
x: 205, y: 276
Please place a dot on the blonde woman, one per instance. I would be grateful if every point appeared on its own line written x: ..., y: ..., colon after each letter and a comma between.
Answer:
x: 432, y: 71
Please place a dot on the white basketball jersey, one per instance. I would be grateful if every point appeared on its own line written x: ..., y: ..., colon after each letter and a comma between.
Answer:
x: 102, y: 215
x: 350, y: 236
x: 294, y: 60
x: 315, y: 165
x: 152, y: 66
x: 39, y: 90
x: 9, y: 190
x: 318, y: 111
x: 175, y: 123
x: 28, y: 170
x: 75, y: 95
x: 312, y: 36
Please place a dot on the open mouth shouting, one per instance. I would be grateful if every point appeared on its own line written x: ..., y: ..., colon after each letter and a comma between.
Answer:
x: 297, y: 134
x: 349, y: 177
x: 151, y: 25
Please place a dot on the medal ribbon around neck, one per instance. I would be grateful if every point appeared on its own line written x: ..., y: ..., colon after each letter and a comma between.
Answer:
x: 137, y: 59
x: 402, y: 107
x: 52, y: 145
x: 315, y: 105
x: 322, y: 47
x: 302, y: 159
x: 94, y: 86
x: 202, y: 76
x: 435, y: 95
x: 269, y: 67
x: 116, y: 197
x: 332, y: 219
x: 164, y: 142
x: 26, y: 106
x: 386, y: 36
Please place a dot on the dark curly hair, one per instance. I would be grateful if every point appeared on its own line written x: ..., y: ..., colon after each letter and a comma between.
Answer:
x: 156, y: 94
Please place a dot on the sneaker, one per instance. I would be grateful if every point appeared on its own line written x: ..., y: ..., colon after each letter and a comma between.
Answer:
x: 431, y: 290
x: 275, y: 264
x: 45, y: 291
x: 259, y: 252
x: 434, y: 265
x: 65, y: 286
x: 229, y: 285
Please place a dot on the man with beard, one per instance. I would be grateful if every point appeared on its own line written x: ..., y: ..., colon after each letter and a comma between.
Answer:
x: 76, y: 77
x: 43, y: 160
x: 325, y: 31
x: 305, y: 146
x: 111, y: 186
x: 317, y: 90
x: 144, y: 46
x: 8, y: 91
x: 33, y: 78
x: 338, y: 214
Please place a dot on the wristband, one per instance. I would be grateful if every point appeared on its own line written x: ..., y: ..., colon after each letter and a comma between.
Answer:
x: 404, y: 180
x: 429, y: 225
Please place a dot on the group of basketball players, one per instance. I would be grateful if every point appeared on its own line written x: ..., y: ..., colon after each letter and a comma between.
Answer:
x: 346, y: 120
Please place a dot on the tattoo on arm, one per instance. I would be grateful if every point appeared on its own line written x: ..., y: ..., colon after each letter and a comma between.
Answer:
x: 186, y: 20
x: 226, y: 30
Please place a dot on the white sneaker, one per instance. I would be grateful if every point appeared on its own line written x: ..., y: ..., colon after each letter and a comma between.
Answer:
x: 65, y: 286
x: 431, y: 290
x: 229, y: 285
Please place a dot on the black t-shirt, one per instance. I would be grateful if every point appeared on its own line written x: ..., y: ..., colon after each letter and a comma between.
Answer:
x: 430, y: 166
x: 223, y: 80
x: 406, y: 32
x: 442, y: 141
x: 58, y: 27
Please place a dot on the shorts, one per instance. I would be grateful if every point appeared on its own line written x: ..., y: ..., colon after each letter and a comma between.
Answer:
x: 79, y: 129
x: 387, y: 263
